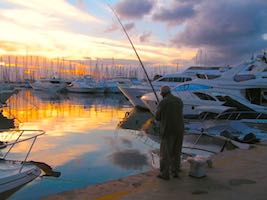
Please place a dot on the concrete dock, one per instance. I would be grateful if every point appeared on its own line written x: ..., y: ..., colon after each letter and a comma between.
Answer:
x: 236, y: 174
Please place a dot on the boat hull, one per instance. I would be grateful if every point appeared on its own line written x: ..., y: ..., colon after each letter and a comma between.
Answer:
x: 50, y: 87
x: 81, y: 90
x: 5, y: 95
x: 11, y: 177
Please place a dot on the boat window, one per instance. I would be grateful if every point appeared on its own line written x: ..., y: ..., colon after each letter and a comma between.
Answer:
x: 211, y: 76
x: 176, y: 79
x: 188, y: 79
x: 251, y: 67
x: 191, y: 87
x: 204, y: 96
x: 201, y: 76
x: 164, y: 80
x: 265, y: 70
x: 54, y: 82
x: 220, y: 98
x: 172, y: 79
x: 244, y: 77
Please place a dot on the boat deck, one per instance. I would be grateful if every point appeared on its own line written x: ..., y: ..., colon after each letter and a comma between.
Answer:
x: 10, y: 168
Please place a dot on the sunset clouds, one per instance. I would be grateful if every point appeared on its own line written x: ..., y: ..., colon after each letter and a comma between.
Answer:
x: 163, y: 31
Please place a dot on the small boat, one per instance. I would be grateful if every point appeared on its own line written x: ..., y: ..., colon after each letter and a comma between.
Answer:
x: 86, y: 84
x: 14, y: 173
x: 112, y: 85
x: 50, y: 84
x: 6, y: 91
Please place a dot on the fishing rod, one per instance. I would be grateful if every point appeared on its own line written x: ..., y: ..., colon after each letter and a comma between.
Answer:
x: 143, y: 67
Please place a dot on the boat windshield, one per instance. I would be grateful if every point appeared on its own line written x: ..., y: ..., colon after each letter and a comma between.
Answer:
x: 175, y: 79
x: 191, y: 87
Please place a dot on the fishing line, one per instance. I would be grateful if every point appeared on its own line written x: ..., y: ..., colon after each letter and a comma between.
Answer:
x: 139, y: 59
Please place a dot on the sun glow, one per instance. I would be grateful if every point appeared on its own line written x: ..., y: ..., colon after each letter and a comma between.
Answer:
x: 58, y: 29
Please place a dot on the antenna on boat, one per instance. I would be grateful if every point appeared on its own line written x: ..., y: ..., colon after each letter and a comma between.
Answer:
x: 134, y: 51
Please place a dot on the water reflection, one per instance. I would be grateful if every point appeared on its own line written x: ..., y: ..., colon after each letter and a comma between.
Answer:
x: 81, y: 139
x: 129, y: 159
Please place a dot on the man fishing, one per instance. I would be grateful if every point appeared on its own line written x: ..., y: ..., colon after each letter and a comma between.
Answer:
x: 170, y: 115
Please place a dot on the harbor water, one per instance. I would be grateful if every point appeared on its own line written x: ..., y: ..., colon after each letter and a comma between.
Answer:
x: 81, y: 142
x: 88, y: 139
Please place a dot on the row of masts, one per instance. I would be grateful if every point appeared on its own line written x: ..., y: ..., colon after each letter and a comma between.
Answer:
x: 20, y: 69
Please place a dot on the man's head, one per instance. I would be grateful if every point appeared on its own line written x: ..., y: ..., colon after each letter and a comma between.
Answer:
x: 165, y: 90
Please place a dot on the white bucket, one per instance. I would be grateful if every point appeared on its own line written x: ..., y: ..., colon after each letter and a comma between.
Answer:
x: 198, y: 166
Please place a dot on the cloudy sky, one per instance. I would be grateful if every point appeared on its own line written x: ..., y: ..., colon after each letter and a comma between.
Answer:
x: 164, y: 31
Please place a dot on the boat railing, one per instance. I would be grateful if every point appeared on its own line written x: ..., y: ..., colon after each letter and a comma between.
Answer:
x: 36, y: 133
x: 236, y: 115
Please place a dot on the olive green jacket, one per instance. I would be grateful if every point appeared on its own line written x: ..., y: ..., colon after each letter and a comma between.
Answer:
x: 170, y: 115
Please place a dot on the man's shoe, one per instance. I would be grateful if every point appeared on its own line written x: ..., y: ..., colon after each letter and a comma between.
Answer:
x: 163, y: 177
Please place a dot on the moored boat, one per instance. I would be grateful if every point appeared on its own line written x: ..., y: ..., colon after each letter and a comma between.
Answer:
x: 49, y: 84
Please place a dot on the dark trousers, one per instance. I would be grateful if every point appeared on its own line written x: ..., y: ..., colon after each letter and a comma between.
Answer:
x: 170, y: 155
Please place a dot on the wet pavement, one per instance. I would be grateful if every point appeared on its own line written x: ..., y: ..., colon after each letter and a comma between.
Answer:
x: 237, y: 174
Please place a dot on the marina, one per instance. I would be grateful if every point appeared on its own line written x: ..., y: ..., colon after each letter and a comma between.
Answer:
x: 92, y: 139
x: 126, y: 100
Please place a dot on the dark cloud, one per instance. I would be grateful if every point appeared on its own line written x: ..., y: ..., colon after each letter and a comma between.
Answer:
x: 227, y: 30
x: 129, y: 26
x: 177, y: 14
x: 145, y: 37
x: 115, y: 27
x: 134, y: 9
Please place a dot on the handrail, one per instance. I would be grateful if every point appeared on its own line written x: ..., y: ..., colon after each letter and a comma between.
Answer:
x: 239, y: 113
x: 23, y: 140
x: 12, y: 144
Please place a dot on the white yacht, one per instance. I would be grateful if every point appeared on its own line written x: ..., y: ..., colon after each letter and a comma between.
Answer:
x: 248, y: 80
x: 111, y: 85
x: 242, y: 89
x: 134, y: 92
x: 6, y: 91
x: 86, y: 84
x: 50, y: 84
x: 204, y: 100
